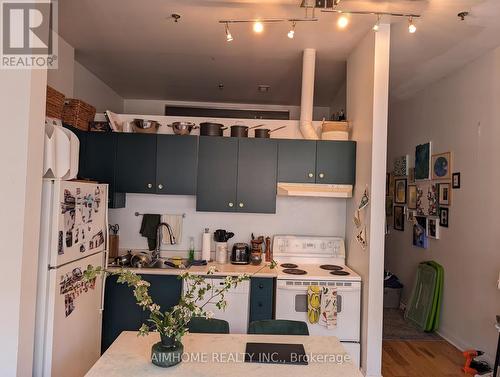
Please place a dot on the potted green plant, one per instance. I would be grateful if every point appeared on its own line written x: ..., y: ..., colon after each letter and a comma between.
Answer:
x: 173, y: 324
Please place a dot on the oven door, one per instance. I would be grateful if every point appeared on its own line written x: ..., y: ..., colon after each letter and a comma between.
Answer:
x: 291, y: 303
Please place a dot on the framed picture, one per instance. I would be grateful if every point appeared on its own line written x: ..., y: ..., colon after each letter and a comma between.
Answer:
x: 411, y: 215
x: 422, y: 161
x: 455, y: 180
x: 400, y: 191
x: 387, y: 184
x: 419, y: 232
x: 444, y: 216
x: 399, y: 218
x: 401, y: 166
x: 388, y: 206
x: 444, y: 194
x: 411, y: 175
x: 412, y: 197
x: 433, y: 227
x: 441, y: 166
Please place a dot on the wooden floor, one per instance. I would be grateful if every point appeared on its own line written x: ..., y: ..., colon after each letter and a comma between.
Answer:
x: 421, y: 359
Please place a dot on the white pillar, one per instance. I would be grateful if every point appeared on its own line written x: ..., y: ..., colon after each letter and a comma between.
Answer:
x: 307, y: 98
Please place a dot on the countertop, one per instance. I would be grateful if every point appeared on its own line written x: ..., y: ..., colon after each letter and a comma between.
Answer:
x: 219, y: 355
x: 225, y: 269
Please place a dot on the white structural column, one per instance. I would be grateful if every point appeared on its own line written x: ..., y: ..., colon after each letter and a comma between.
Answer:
x: 307, y: 98
x: 22, y: 106
x: 367, y: 109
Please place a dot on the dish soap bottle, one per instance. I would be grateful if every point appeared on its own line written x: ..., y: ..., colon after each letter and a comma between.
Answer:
x: 191, y: 249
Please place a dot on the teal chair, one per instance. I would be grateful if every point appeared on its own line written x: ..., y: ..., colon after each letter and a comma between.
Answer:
x: 278, y: 327
x: 208, y: 326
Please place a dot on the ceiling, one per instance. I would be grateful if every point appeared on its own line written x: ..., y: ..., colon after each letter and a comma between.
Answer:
x: 140, y: 52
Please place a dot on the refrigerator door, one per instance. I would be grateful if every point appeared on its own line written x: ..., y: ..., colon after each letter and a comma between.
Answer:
x: 73, y: 330
x: 81, y: 229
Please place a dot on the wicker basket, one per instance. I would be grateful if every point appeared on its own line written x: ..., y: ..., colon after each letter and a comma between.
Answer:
x: 78, y: 114
x: 54, y: 103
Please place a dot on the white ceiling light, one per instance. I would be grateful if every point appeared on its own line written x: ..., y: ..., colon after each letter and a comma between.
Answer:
x: 411, y: 26
x: 342, y: 22
x: 229, y: 37
x: 377, y: 25
x: 258, y: 27
x: 291, y: 33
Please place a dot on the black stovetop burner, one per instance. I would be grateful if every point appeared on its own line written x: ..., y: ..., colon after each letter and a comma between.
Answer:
x: 294, y: 271
x: 339, y: 273
x: 330, y: 267
x: 289, y: 265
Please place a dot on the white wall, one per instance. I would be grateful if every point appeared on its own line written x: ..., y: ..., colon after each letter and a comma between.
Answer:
x: 459, y: 113
x: 75, y: 81
x: 22, y: 105
x: 367, y: 97
x: 309, y: 216
x: 89, y: 88
x: 157, y: 107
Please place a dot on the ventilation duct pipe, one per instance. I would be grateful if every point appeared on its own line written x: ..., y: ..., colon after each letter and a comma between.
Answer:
x: 307, y: 98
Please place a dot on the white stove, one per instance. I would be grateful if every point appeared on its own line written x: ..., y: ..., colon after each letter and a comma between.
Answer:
x: 310, y: 260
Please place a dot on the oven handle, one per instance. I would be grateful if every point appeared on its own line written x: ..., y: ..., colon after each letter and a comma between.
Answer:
x: 304, y: 288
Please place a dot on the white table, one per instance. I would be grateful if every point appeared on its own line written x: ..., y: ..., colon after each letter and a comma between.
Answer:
x: 220, y: 355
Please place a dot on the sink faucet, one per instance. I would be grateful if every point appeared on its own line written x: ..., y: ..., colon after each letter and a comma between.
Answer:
x: 155, y: 255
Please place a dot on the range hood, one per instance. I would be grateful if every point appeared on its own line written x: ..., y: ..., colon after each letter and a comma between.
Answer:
x: 314, y: 189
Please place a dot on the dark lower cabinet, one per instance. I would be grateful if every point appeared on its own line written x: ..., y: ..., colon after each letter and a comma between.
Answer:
x: 257, y: 174
x: 261, y: 299
x: 176, y: 164
x: 136, y: 163
x: 297, y: 161
x: 336, y: 162
x: 121, y: 312
x: 217, y: 174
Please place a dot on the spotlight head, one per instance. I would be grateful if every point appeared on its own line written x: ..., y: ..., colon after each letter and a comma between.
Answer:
x: 342, y: 22
x: 411, y: 26
x: 258, y: 27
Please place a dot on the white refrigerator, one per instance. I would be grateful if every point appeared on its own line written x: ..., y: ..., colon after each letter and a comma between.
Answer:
x: 74, y: 234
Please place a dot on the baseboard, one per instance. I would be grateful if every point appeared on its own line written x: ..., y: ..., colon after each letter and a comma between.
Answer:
x: 461, y: 346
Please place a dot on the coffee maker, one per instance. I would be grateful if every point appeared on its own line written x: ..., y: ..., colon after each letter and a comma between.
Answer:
x: 221, y: 237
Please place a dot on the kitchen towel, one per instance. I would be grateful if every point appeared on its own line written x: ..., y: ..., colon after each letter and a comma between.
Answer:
x: 148, y: 228
x: 313, y: 303
x: 329, y: 307
x: 175, y: 222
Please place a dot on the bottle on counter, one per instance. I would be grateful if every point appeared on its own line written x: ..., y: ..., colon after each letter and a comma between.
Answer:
x: 206, y: 245
x: 191, y: 249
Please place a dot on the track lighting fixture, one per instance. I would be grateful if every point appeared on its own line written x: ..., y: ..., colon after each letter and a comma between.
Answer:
x: 411, y: 26
x: 377, y: 25
x: 342, y: 22
x: 336, y: 2
x: 291, y: 33
x: 258, y: 27
x: 229, y: 37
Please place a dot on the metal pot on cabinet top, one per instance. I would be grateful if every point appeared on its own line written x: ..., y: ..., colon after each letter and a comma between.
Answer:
x: 211, y: 129
x: 265, y: 133
x: 182, y: 128
x: 241, y: 131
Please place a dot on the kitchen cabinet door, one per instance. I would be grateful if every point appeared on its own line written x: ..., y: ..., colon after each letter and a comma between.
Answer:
x: 136, y: 163
x: 261, y: 299
x: 121, y: 312
x: 176, y: 164
x: 336, y: 162
x: 297, y: 161
x: 217, y: 174
x: 257, y: 174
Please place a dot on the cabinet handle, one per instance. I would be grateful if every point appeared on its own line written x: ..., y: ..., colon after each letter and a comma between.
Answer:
x: 160, y: 186
x: 260, y: 305
x: 261, y: 286
x: 310, y: 175
x: 231, y: 204
x: 150, y: 185
x: 241, y: 205
x: 321, y: 175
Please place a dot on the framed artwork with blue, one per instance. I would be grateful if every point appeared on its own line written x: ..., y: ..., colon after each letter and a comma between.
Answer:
x: 420, y: 232
x: 441, y: 166
x: 423, y: 161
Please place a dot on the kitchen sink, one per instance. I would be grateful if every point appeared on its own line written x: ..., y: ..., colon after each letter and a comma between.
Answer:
x: 165, y: 264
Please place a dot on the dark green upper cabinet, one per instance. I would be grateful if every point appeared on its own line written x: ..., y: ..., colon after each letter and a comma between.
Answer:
x: 297, y: 161
x: 136, y: 163
x: 336, y: 162
x: 217, y: 174
x: 176, y: 164
x: 257, y: 173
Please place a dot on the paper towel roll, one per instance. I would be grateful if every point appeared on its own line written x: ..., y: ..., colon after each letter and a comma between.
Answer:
x: 206, y: 245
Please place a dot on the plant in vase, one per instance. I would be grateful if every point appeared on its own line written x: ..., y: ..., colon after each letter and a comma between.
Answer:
x: 173, y: 324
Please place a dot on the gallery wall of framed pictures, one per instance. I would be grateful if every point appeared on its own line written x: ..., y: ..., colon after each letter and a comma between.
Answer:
x: 421, y: 195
